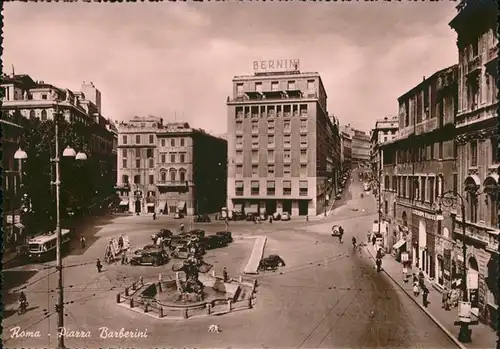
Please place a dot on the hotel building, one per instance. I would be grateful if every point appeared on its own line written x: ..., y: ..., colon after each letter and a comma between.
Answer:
x: 169, y: 168
x: 279, y: 144
x: 476, y: 25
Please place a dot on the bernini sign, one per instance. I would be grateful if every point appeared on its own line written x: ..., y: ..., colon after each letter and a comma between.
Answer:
x: 277, y: 65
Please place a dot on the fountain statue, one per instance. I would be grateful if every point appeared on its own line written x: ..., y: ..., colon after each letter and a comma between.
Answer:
x: 192, y: 288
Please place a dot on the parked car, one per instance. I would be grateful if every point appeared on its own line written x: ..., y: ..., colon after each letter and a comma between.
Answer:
x: 213, y: 241
x: 250, y: 217
x: 226, y: 235
x: 178, y: 215
x: 146, y: 248
x: 175, y: 240
x: 276, y: 216
x: 180, y: 252
x: 285, y: 216
x: 200, y: 218
x: 272, y: 262
x: 150, y: 257
x: 196, y: 232
x: 162, y: 233
x: 238, y: 216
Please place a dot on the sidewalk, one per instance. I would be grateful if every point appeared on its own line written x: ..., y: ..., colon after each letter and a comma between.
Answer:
x: 482, y: 335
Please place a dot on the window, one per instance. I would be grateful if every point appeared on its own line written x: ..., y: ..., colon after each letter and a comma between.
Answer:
x: 163, y: 142
x: 422, y: 190
x: 151, y: 179
x: 124, y: 153
x: 163, y: 176
x: 431, y: 190
x: 287, y: 154
x: 440, y: 150
x: 239, y: 90
x: 473, y: 207
x: 137, y: 163
x: 455, y: 183
x: 162, y: 157
x: 394, y: 183
x: 137, y: 153
x: 287, y: 126
x: 303, y: 154
x: 286, y: 170
x: 255, y: 170
x: 303, y: 170
x: 151, y: 139
x: 239, y: 155
x: 287, y: 141
x: 173, y: 175
x: 149, y: 153
x: 270, y: 126
x: 494, y: 149
x: 138, y: 139
x: 291, y: 85
x: 124, y: 139
x: 303, y: 188
x: 151, y: 163
x: 172, y: 158
x: 270, y: 170
x: 255, y: 155
x: 239, y: 169
x: 432, y: 151
x: 310, y: 86
x: 239, y: 125
x: 239, y: 140
x: 303, y: 139
x: 493, y: 210
x: 124, y: 179
x: 386, y: 183
x: 258, y: 86
x: 303, y: 125
x: 386, y: 207
x: 239, y: 187
x: 182, y: 158
x: 255, y: 140
x: 255, y: 125
x: 182, y: 175
x: 287, y: 188
x: 137, y: 179
x: 473, y: 153
x: 183, y: 142
x: 44, y: 96
x: 254, y: 188
x: 270, y: 139
x: 44, y: 115
x: 124, y: 163
x: 274, y: 86
x: 271, y: 189
x: 270, y: 155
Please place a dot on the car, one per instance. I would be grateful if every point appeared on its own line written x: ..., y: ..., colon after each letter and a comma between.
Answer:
x: 196, y: 232
x: 202, y: 218
x: 153, y: 257
x: 276, y: 216
x: 272, y: 262
x: 146, y: 248
x: 175, y: 240
x: 250, y: 217
x: 226, y: 235
x: 238, y: 216
x: 285, y: 216
x: 162, y: 233
x: 336, y: 230
x: 178, y: 215
x: 180, y: 252
x: 213, y: 241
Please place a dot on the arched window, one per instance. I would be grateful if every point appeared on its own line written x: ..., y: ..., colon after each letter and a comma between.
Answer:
x: 182, y: 175
x: 173, y: 174
x: 32, y: 114
x: 44, y: 115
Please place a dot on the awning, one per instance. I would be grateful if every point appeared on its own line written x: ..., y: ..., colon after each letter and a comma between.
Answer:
x: 399, y: 244
x: 472, y: 182
x: 254, y: 208
x: 238, y: 208
x: 181, y: 205
x: 150, y: 204
x: 124, y: 203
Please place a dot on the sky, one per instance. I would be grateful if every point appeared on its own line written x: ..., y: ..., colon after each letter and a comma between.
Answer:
x: 177, y: 60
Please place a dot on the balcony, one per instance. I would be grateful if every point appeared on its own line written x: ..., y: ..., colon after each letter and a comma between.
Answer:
x: 171, y: 183
x: 252, y: 96
x: 287, y: 160
x: 287, y: 130
x: 255, y: 131
x: 303, y: 145
x: 303, y: 130
x: 255, y: 145
x: 473, y: 66
x: 287, y: 145
x: 426, y: 126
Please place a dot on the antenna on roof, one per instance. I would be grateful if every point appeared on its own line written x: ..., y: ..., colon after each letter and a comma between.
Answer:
x: 13, y: 71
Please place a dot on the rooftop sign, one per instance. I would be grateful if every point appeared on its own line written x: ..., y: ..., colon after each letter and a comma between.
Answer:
x: 279, y: 65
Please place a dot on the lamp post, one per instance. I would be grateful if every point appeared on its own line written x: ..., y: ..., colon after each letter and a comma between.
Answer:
x: 449, y: 199
x: 68, y: 152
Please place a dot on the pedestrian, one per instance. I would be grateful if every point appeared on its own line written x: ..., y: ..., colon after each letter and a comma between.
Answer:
x: 120, y: 242
x: 425, y: 294
x: 82, y: 242
x: 421, y: 279
x: 98, y: 265
x: 415, y: 278
x: 154, y: 216
x: 405, y: 272
x: 374, y: 238
x: 445, y: 299
x: 341, y: 233
x: 216, y: 216
x: 416, y: 290
x: 379, y: 265
x: 123, y: 258
x: 270, y: 219
x: 368, y: 235
x: 225, y: 276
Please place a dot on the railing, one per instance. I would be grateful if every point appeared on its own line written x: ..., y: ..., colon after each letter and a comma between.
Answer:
x: 474, y: 64
x: 171, y: 183
x: 275, y: 96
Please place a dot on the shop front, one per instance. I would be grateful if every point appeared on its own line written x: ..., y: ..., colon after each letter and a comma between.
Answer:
x: 424, y: 225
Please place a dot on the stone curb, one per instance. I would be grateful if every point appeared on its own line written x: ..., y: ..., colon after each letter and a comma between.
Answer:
x: 427, y: 312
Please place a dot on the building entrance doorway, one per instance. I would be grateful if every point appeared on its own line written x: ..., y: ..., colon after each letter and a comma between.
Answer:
x: 270, y: 207
x: 287, y: 206
x: 303, y: 207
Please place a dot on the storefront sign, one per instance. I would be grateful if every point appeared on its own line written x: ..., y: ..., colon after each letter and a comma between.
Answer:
x: 405, y: 257
x: 278, y: 65
x: 464, y: 310
x: 425, y: 215
x: 472, y: 280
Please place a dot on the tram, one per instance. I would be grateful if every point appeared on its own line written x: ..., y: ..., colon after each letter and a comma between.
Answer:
x: 43, y: 247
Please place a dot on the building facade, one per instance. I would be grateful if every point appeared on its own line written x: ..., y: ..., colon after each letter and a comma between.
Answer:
x: 279, y: 144
x: 360, y: 148
x: 169, y: 168
x: 336, y: 154
x: 346, y: 150
x: 385, y: 129
x: 418, y: 167
x: 477, y: 151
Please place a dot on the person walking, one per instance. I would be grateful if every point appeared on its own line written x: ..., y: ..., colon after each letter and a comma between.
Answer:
x: 379, y: 265
x: 405, y: 272
x: 425, y: 294
x: 445, y: 299
x: 98, y: 265
x: 368, y: 236
x: 154, y: 216
x: 123, y: 259
x: 83, y: 243
x: 416, y: 290
x: 341, y: 233
x: 270, y: 219
x: 225, y: 276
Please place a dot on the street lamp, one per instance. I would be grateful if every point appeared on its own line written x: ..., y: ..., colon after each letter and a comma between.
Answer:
x: 450, y: 199
x: 68, y: 152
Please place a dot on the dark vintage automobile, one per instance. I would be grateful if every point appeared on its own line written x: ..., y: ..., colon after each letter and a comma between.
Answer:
x: 202, y: 218
x: 250, y: 217
x: 180, y: 252
x: 175, y: 240
x: 212, y: 241
x: 197, y: 232
x: 271, y: 263
x: 238, y: 216
x: 162, y: 233
x: 153, y: 257
x: 146, y: 248
x: 226, y: 235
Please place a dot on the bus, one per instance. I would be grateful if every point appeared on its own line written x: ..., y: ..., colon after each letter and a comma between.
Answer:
x: 44, y: 247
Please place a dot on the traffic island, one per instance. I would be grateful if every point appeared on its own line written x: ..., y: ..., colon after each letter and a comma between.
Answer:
x: 163, y: 301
